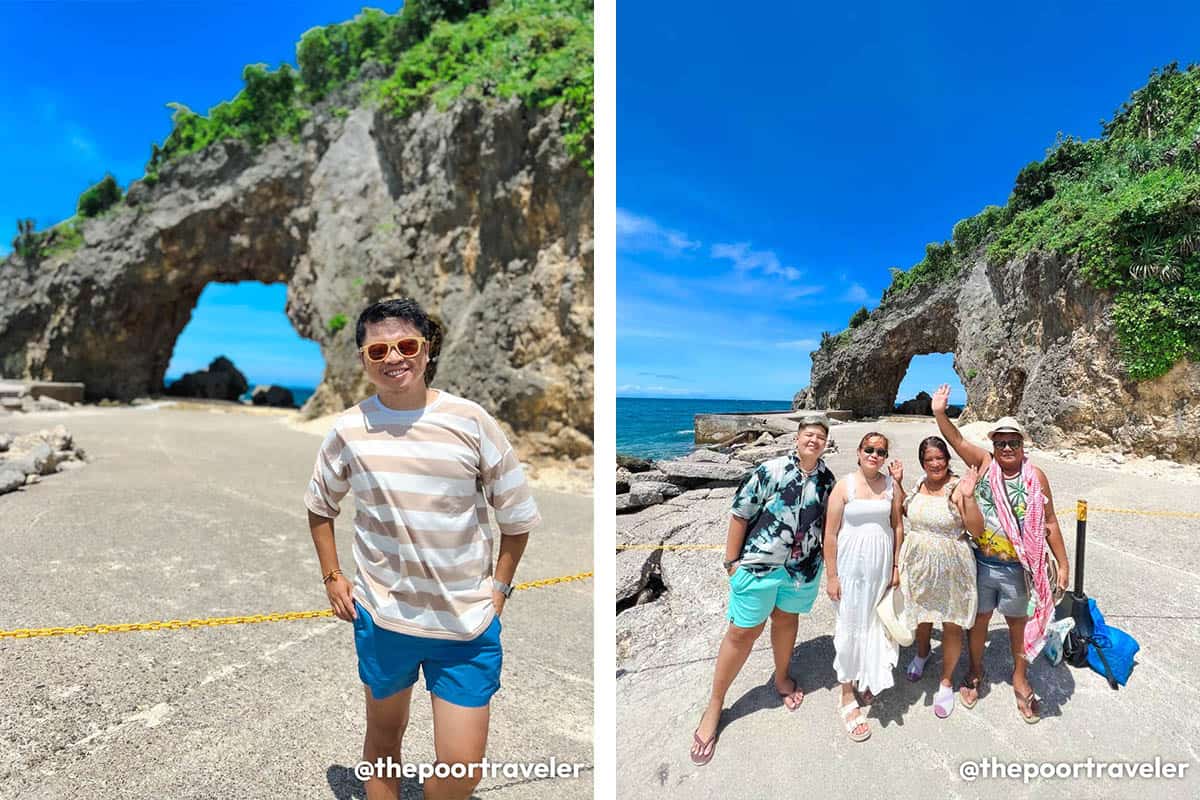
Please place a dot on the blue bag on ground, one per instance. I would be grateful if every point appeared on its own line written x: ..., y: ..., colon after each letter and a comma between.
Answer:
x: 1118, y: 646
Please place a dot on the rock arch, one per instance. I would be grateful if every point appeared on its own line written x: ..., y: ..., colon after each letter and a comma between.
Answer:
x: 478, y: 211
x: 1031, y: 339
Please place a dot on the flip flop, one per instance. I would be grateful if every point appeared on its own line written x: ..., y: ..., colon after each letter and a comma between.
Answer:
x: 796, y: 696
x: 1033, y: 703
x: 973, y: 684
x: 709, y: 747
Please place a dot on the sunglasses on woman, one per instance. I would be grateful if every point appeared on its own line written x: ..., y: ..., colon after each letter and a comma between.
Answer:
x: 879, y: 451
x: 408, y: 347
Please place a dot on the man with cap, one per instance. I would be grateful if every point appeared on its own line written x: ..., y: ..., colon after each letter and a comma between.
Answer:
x: 1019, y: 523
x: 773, y: 556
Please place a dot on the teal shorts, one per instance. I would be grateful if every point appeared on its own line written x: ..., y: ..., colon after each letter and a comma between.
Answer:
x: 753, y: 597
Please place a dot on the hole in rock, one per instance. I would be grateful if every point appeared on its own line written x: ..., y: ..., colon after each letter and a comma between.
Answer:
x: 650, y: 587
x: 245, y: 322
x: 924, y: 375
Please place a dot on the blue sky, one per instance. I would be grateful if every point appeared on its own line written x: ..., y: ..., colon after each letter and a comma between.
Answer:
x: 83, y: 91
x: 772, y: 166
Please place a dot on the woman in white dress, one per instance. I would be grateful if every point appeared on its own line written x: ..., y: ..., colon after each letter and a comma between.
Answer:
x: 863, y: 533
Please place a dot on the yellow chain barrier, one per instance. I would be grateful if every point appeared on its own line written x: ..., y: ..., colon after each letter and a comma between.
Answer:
x: 177, y: 624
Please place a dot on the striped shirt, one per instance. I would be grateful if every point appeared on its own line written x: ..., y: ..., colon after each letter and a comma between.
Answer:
x: 422, y: 481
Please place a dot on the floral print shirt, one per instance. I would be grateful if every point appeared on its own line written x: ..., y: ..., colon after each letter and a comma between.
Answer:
x: 785, y: 509
x: 993, y: 546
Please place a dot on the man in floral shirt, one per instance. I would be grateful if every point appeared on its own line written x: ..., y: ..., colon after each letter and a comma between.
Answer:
x: 773, y: 555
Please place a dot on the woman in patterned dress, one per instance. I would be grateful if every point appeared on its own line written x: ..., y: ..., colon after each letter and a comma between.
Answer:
x: 937, y: 566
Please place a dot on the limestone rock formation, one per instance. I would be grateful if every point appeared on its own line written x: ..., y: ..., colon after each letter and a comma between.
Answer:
x: 221, y: 381
x: 921, y: 404
x: 477, y: 211
x: 1030, y: 339
x: 273, y: 395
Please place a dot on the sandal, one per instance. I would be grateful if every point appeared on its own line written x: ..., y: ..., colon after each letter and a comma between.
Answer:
x: 970, y: 684
x: 792, y: 699
x: 916, y: 668
x: 943, y: 702
x: 852, y: 724
x: 707, y: 748
x: 1030, y: 702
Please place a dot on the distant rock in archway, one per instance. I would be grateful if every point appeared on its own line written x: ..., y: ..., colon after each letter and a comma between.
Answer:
x: 221, y: 381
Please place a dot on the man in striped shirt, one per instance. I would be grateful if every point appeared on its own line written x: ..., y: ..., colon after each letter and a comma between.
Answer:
x: 423, y: 466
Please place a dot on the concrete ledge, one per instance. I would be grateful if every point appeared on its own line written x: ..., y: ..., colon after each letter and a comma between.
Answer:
x: 67, y: 392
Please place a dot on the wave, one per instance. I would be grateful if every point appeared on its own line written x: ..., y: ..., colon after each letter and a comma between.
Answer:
x: 689, y: 430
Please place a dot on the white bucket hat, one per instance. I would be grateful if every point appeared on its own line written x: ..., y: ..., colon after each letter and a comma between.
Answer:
x: 890, y: 610
x: 1007, y: 425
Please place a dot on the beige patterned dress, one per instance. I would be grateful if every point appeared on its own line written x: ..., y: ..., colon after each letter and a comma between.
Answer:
x: 937, y: 566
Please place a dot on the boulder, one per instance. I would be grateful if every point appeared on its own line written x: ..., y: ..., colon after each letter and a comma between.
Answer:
x: 648, y: 493
x: 273, y: 395
x: 922, y: 404
x: 633, y: 463
x: 708, y: 456
x: 11, y: 478
x: 695, y: 473
x: 221, y: 381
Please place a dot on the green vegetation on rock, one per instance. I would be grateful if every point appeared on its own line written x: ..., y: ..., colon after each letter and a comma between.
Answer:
x: 99, y: 197
x: 859, y: 317
x: 430, y: 51
x: 337, y: 322
x: 1127, y: 205
x: 32, y: 245
x: 538, y: 50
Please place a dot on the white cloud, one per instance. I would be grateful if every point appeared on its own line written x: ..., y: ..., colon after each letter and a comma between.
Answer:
x: 638, y: 233
x: 636, y: 387
x: 746, y: 260
x: 856, y: 294
x: 798, y: 344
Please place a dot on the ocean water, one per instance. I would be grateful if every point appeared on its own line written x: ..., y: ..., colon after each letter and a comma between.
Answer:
x: 660, y: 428
x: 299, y: 393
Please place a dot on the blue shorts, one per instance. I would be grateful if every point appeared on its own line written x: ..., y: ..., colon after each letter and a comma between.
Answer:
x: 753, y: 597
x: 1002, y: 587
x: 462, y: 673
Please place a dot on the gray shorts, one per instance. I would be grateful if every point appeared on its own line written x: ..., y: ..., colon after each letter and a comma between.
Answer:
x: 1002, y: 588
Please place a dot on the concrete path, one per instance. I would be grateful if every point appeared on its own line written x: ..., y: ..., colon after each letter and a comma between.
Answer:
x: 188, y: 514
x: 1144, y: 571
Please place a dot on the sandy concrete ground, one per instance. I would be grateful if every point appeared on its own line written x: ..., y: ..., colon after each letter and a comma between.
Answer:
x: 1144, y: 572
x: 184, y: 514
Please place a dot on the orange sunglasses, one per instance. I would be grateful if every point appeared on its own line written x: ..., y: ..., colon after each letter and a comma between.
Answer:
x: 408, y: 347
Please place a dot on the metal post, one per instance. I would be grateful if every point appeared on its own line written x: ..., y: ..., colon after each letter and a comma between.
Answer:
x: 1080, y: 536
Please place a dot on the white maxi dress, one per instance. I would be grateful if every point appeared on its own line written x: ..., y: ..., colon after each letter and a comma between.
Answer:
x: 864, y: 653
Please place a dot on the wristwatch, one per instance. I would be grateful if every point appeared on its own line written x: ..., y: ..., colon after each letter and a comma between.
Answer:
x: 502, y: 587
x: 731, y: 562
